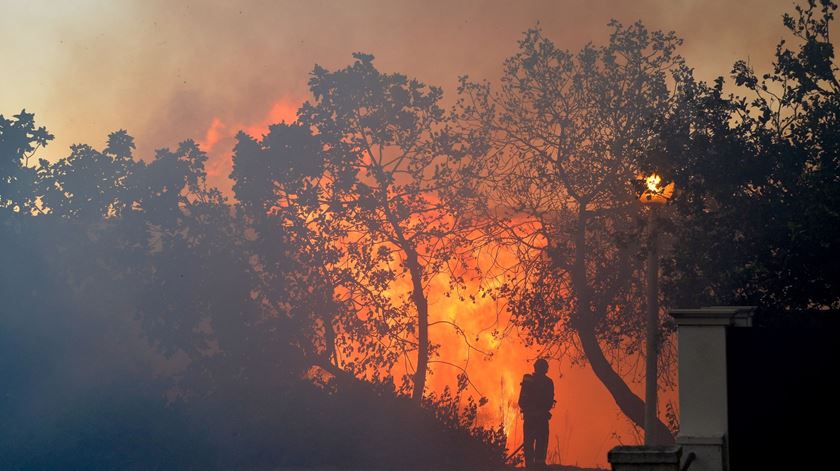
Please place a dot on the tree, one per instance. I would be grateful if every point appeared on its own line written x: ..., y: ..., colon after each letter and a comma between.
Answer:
x: 278, y: 187
x: 142, y: 261
x: 386, y: 182
x: 762, y: 181
x: 19, y: 140
x: 557, y: 148
x: 89, y: 184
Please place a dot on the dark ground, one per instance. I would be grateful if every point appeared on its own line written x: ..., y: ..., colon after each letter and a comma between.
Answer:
x: 571, y: 468
x: 553, y: 467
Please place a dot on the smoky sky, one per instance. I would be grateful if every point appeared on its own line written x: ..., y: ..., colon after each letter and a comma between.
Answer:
x: 164, y: 70
x: 171, y: 70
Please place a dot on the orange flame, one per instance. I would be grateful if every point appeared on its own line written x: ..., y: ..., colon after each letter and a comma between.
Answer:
x: 586, y: 423
x: 654, y: 193
x: 652, y: 182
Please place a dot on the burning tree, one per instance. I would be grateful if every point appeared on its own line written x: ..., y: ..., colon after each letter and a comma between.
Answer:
x: 277, y: 187
x: 364, y: 180
x: 115, y: 264
x: 556, y: 149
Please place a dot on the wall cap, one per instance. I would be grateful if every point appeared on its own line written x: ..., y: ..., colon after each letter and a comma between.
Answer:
x: 736, y: 316
x: 708, y: 440
x: 645, y: 454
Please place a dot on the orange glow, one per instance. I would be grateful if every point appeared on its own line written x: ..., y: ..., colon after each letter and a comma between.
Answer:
x: 585, y: 424
x: 281, y: 112
x: 654, y: 193
x: 218, y: 140
x: 211, y: 137
x: 652, y: 183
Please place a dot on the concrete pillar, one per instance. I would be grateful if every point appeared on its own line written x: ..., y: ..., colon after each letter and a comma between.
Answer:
x: 704, y: 417
x: 645, y: 458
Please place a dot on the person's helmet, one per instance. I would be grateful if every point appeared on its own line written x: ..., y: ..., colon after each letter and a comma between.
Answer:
x: 541, y: 366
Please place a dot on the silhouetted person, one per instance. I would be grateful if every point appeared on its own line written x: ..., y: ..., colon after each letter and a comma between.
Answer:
x: 536, y: 398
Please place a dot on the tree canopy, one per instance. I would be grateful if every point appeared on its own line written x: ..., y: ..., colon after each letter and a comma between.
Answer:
x: 266, y: 327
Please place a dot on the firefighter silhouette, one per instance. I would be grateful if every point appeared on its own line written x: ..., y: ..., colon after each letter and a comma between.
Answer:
x: 536, y: 398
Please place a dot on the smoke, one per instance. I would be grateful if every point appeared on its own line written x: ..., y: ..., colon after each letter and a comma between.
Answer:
x: 206, y: 70
x: 164, y: 70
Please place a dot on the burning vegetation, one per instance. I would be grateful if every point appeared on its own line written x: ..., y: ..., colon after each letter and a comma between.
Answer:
x: 370, y: 287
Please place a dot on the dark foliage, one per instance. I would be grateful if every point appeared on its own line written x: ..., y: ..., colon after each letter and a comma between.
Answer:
x: 148, y: 324
x: 759, y: 217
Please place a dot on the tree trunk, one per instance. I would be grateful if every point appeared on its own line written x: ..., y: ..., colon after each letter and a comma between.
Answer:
x: 418, y: 297
x: 422, y: 306
x: 629, y: 404
x: 584, y: 324
x: 329, y: 338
